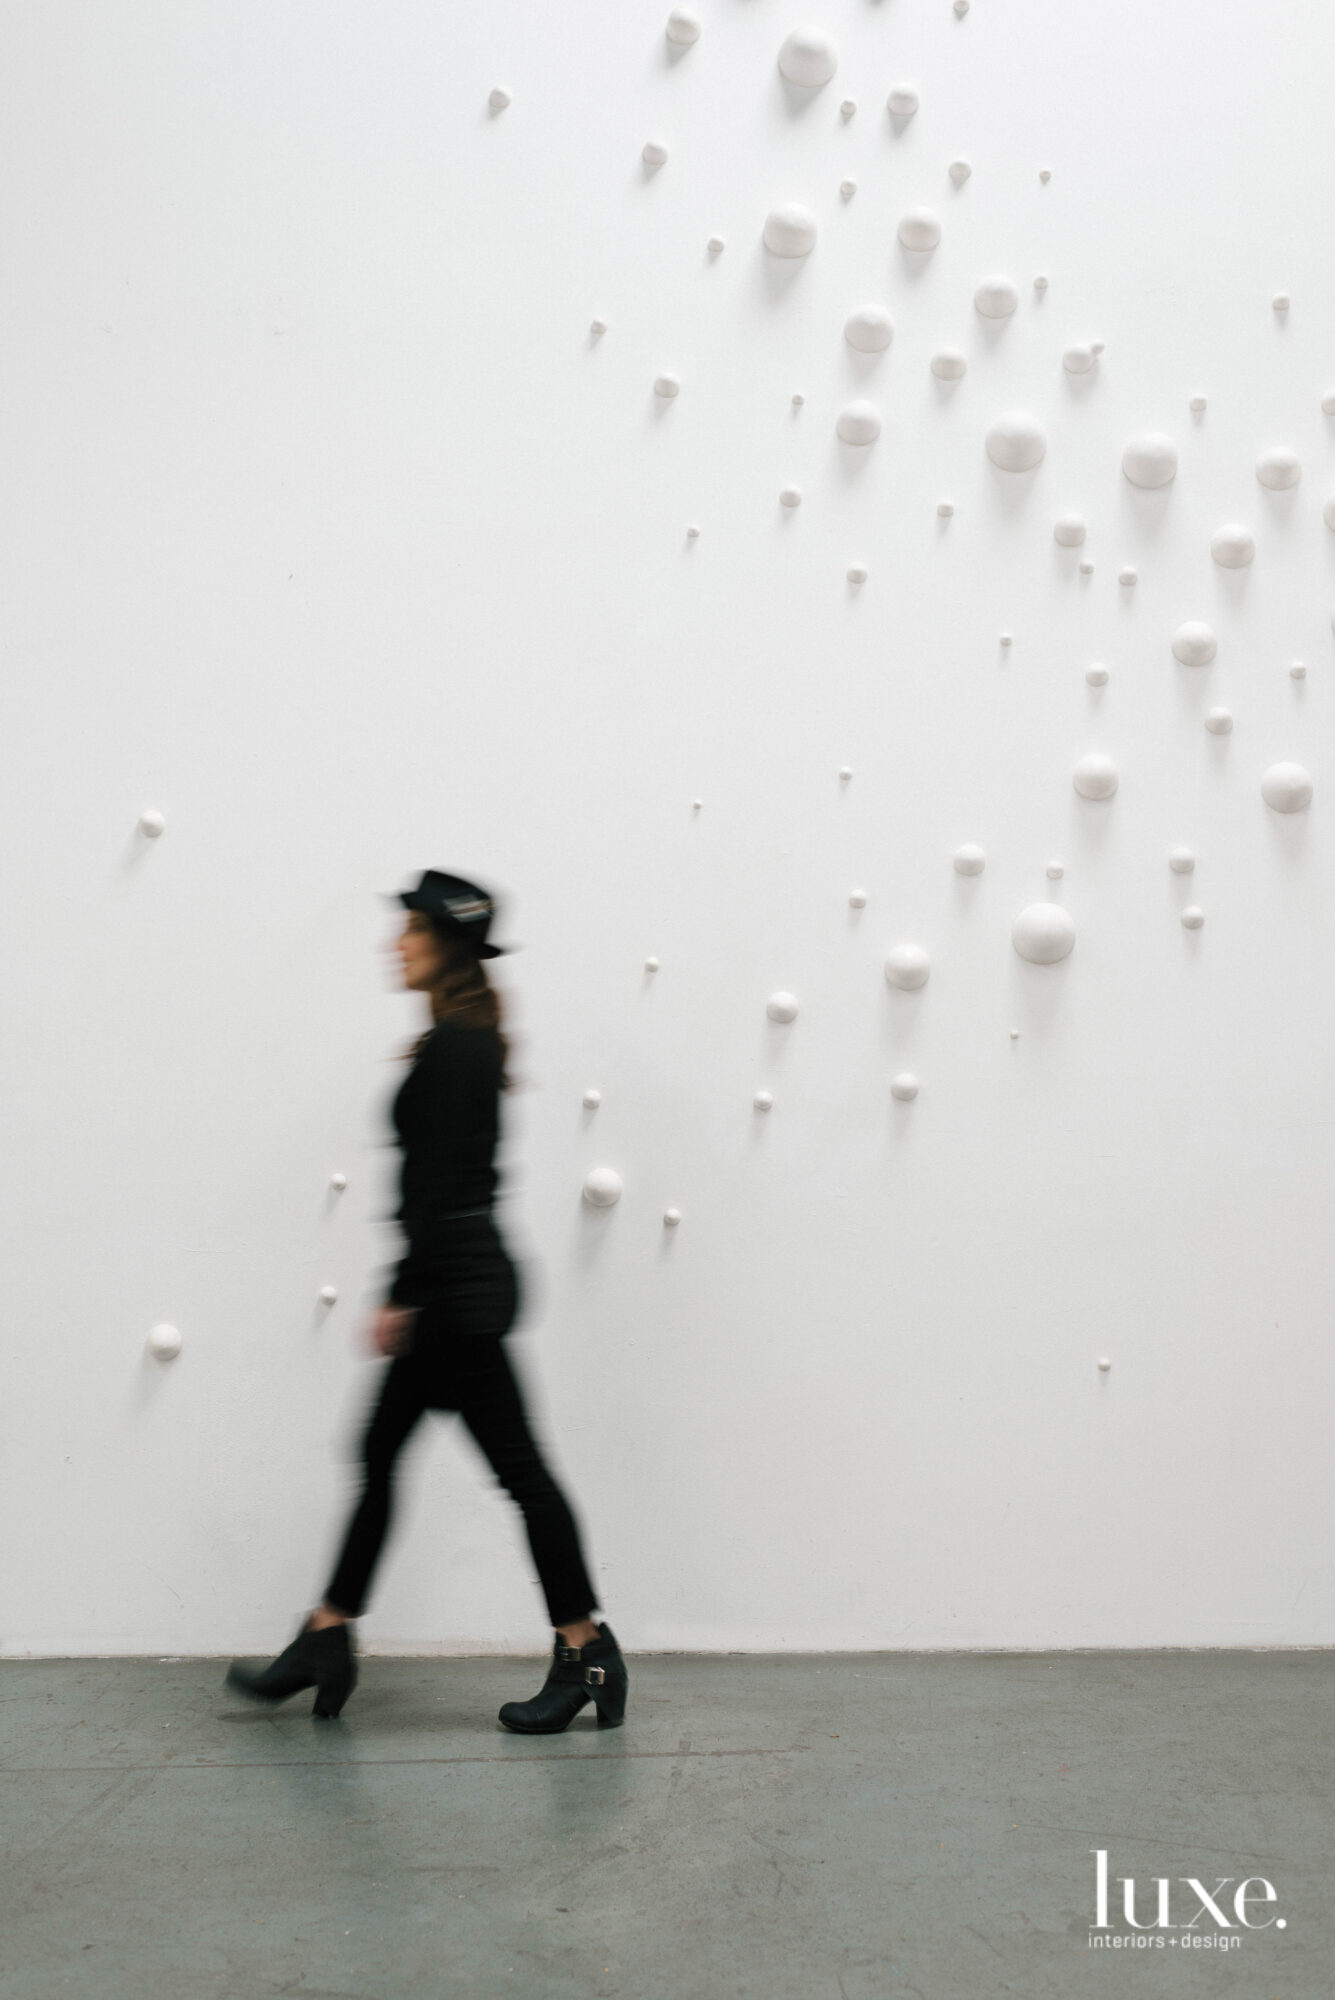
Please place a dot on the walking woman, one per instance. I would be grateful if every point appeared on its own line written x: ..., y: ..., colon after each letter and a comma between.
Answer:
x: 453, y: 1299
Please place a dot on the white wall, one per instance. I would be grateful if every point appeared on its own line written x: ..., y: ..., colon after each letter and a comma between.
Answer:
x: 330, y: 533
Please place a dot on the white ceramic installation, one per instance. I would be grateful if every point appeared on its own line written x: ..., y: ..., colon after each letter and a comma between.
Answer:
x: 808, y: 56
x: 714, y: 245
x: 1194, y: 644
x: 1078, y: 360
x: 1069, y: 530
x: 1193, y: 917
x: 869, y: 328
x: 338, y: 1181
x: 164, y: 1342
x: 1232, y: 546
x: 856, y: 572
x: 997, y: 297
x: 328, y: 1295
x: 1045, y: 174
x: 1095, y: 776
x: 848, y: 188
x: 651, y: 964
x: 1016, y: 441
x: 945, y: 508
x: 1219, y: 721
x: 1279, y: 468
x: 790, y: 496
x: 671, y: 1217
x: 1298, y: 671
x: 602, y: 1187
x: 1286, y: 787
x: 1086, y: 567
x: 1181, y: 860
x: 908, y: 967
x: 1015, y: 1034
x: 763, y: 1100
x: 781, y: 1007
x: 1041, y: 282
x: 904, y: 1087
x: 961, y: 9
x: 597, y: 326
x: 1280, y: 302
x: 666, y: 385
x: 1007, y: 639
x: 790, y: 230
x: 903, y: 100
x: 653, y: 152
x: 949, y: 363
x: 859, y: 423
x: 498, y: 97
x: 798, y: 399
x: 848, y: 107
x: 1096, y: 676
x: 857, y: 899
x: 1055, y: 870
x: 151, y: 823
x: 1043, y: 933
x: 1127, y: 575
x: 959, y: 171
x: 845, y: 772
x: 919, y: 229
x: 692, y: 532
x: 969, y: 860
x: 592, y: 1099
x: 1150, y: 459
x: 683, y: 26
x: 1104, y: 1363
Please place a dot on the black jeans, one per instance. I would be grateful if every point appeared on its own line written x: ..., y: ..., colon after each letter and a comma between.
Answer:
x: 458, y: 1361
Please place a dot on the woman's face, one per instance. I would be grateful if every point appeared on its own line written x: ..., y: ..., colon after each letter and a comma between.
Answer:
x: 419, y: 951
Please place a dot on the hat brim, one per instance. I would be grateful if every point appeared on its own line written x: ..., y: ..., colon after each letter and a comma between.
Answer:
x: 409, y: 901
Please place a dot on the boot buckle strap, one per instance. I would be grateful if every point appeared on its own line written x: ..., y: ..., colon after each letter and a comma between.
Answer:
x: 594, y: 1676
x: 567, y: 1652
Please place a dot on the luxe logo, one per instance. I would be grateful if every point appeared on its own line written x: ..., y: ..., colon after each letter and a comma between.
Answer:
x: 1214, y: 1903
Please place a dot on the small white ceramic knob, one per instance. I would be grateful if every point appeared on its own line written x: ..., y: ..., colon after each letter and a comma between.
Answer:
x: 1086, y: 567
x: 798, y: 399
x: 1193, y: 917
x: 666, y: 385
x: 959, y: 171
x: 790, y: 230
x: 328, y: 1294
x: 920, y: 229
x: 845, y: 772
x: 1015, y: 1034
x: 949, y: 363
x: 1181, y: 860
x: 1328, y: 511
x: 696, y: 804
x: 592, y: 1099
x: 1069, y: 530
x: 1328, y: 403
x: 790, y: 496
x: 1150, y: 459
x: 1219, y: 721
x: 848, y: 107
x: 1280, y: 302
x: 602, y: 1187
x: 763, y: 1100
x: 1232, y: 546
x: 857, y: 898
x: 908, y: 967
x: 653, y: 152
x: 1096, y: 676
x: 904, y: 1087
x: 1298, y: 672
x: 808, y: 56
x: 651, y: 964
x: 857, y: 572
x: 1079, y: 359
x: 338, y: 1181
x: 1008, y: 638
x: 1043, y: 933
x: 969, y: 860
x: 996, y: 297
x: 1287, y: 788
x: 1195, y: 643
x: 859, y: 423
x: 1279, y: 468
x: 848, y: 187
x: 1196, y: 404
x: 597, y: 326
x: 781, y: 1007
x: 692, y: 532
x: 945, y: 508
x: 1127, y: 574
x: 1045, y: 174
x: 1054, y: 871
x: 151, y: 823
x: 683, y: 26
x: 498, y: 97
x: 1104, y: 1363
x: 671, y: 1217
x: 903, y: 100
x: 1097, y: 346
x: 961, y: 9
x: 164, y: 1342
x: 714, y: 245
x: 1041, y: 282
x: 1095, y: 776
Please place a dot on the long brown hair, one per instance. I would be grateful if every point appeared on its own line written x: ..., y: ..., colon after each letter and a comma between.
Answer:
x: 462, y: 992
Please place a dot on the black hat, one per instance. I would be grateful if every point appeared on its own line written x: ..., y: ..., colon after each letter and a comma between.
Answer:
x: 457, y: 905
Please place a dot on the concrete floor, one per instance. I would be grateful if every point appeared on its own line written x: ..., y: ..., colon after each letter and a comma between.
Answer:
x: 794, y: 1827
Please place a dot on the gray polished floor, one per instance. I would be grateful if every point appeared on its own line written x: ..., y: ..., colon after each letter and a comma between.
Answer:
x: 792, y: 1827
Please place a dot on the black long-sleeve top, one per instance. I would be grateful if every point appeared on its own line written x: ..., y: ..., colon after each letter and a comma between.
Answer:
x: 446, y: 1114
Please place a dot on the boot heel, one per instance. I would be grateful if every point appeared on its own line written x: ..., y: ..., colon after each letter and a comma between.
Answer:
x: 610, y: 1701
x: 329, y: 1703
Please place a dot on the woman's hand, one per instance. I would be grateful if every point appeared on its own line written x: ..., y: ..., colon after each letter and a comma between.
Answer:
x: 392, y: 1330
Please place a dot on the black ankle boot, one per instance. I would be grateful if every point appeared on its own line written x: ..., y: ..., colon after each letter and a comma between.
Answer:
x: 594, y: 1672
x: 324, y: 1660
